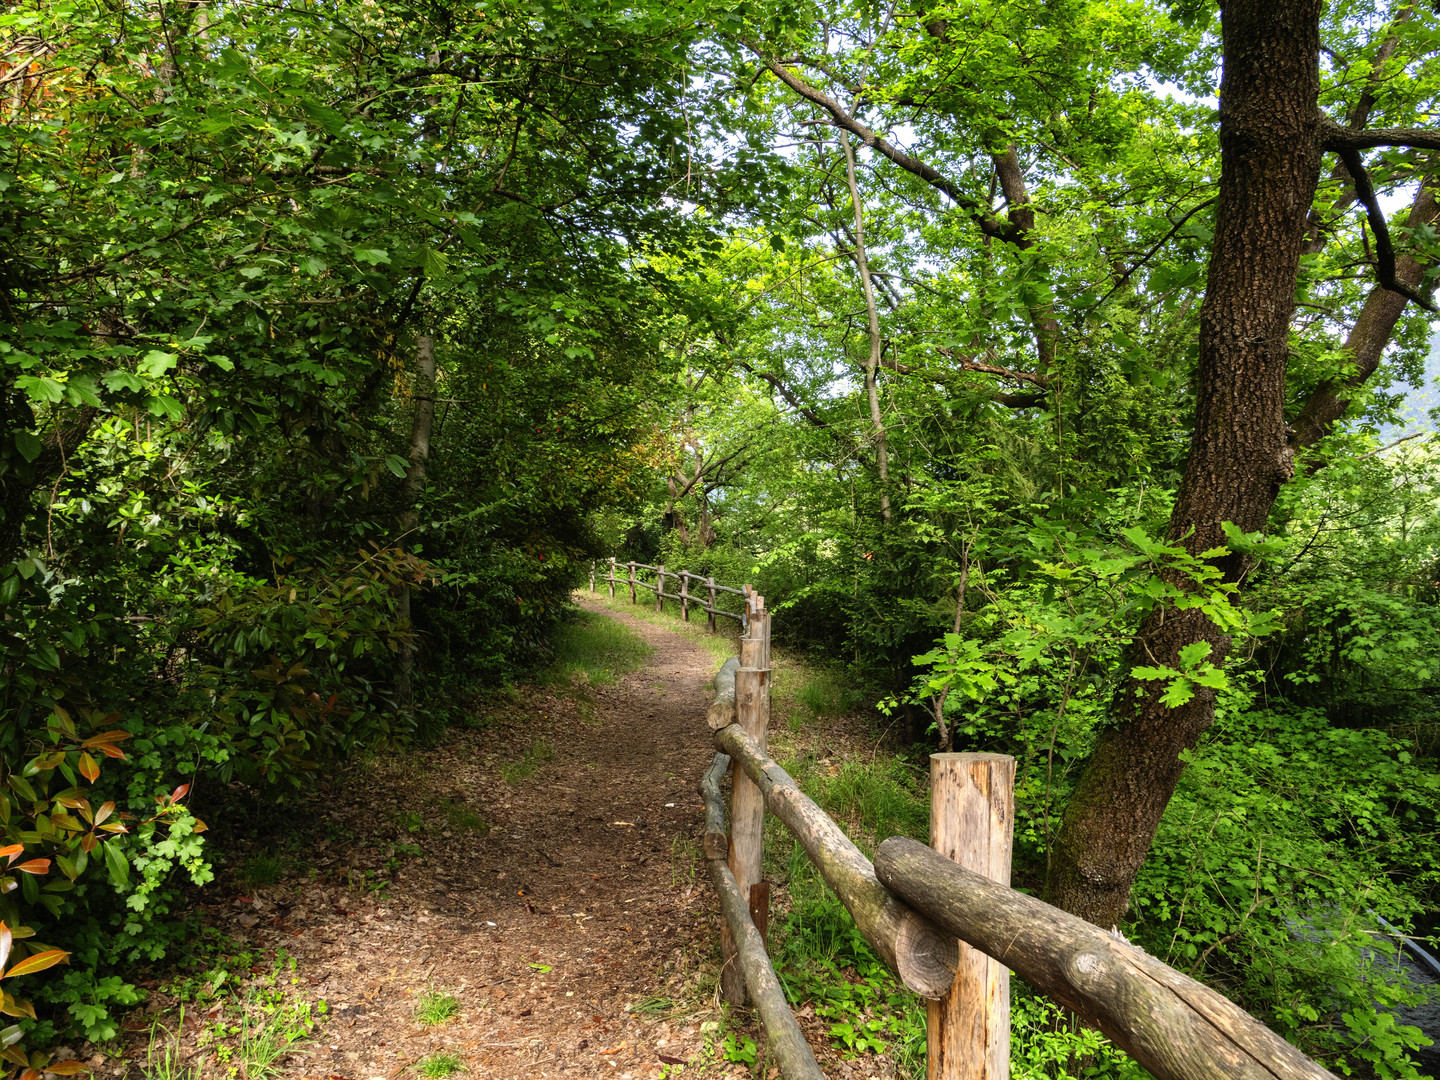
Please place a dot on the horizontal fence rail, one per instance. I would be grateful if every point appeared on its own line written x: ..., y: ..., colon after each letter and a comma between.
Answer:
x: 944, y: 918
x: 702, y: 597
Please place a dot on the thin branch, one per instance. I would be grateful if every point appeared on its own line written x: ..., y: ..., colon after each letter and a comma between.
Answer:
x: 1384, y: 249
x: 979, y: 213
x: 1125, y: 277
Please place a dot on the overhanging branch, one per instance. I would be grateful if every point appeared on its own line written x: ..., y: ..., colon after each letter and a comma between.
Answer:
x: 841, y: 117
x: 1384, y: 248
x: 1341, y: 139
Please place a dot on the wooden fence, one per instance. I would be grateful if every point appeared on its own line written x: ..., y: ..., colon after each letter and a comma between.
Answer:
x: 702, y: 597
x: 945, y: 918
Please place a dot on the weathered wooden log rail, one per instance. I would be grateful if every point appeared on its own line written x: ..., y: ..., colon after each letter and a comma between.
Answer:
x: 945, y: 919
x: 703, y: 597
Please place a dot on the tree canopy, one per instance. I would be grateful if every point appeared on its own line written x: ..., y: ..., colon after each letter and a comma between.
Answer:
x: 1031, y: 357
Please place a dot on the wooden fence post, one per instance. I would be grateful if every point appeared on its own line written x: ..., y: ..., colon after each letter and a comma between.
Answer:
x: 972, y: 810
x: 660, y: 587
x: 611, y: 578
x: 632, y: 582
x: 710, y: 581
x: 747, y: 804
x: 592, y: 575
x: 684, y: 595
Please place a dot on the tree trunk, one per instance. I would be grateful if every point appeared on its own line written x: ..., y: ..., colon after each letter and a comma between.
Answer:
x: 1270, y: 146
x: 872, y: 364
x: 413, y: 490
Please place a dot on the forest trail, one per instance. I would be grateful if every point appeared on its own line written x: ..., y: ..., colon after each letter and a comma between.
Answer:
x: 583, y: 899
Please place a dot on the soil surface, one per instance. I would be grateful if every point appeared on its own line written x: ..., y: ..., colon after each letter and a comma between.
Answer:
x: 566, y: 912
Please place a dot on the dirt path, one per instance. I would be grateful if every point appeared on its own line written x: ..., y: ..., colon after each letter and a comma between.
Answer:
x: 581, y: 901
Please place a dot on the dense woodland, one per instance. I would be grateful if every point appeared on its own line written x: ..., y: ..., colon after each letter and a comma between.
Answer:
x: 1031, y: 357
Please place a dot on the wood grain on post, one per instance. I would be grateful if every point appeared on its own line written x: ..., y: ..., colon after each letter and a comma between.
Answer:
x: 722, y: 709
x: 660, y: 587
x: 972, y: 810
x: 1172, y: 1025
x: 612, y: 577
x: 632, y: 582
x: 922, y: 955
x: 684, y: 595
x: 710, y: 581
x: 787, y: 1045
x: 716, y: 843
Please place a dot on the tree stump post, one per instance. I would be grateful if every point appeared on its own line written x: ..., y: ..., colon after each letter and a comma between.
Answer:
x: 747, y: 804
x: 972, y: 804
x: 710, y: 581
x: 611, y: 578
x: 685, y: 596
x: 660, y: 587
x: 632, y: 582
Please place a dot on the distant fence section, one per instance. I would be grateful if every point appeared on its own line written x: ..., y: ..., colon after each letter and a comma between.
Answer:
x: 943, y: 917
x: 692, y: 590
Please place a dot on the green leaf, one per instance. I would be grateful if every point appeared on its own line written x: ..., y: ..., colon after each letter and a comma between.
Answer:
x: 28, y: 444
x: 116, y: 864
x: 1193, y: 653
x: 1177, y: 693
x: 41, y: 389
x: 156, y: 363
x: 433, y: 263
x: 396, y: 464
x: 120, y: 379
x: 166, y: 406
x: 324, y: 117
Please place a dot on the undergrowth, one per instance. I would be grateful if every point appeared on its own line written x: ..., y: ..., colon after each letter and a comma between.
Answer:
x: 721, y: 644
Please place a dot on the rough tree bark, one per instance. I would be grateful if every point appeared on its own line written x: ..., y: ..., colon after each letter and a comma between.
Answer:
x: 1271, y: 145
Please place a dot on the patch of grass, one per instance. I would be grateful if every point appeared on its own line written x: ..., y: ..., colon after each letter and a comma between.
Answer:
x: 721, y: 645
x: 439, y: 1066
x: 267, y: 1028
x: 593, y: 650
x: 263, y: 868
x: 885, y: 796
x: 827, y: 693
x: 535, y: 755
x: 460, y: 816
x: 435, y: 1007
x: 684, y: 856
x: 162, y: 1055
x: 656, y: 1007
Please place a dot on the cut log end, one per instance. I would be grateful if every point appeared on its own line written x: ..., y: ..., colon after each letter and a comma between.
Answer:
x: 925, y: 957
x: 721, y: 714
x: 717, y: 846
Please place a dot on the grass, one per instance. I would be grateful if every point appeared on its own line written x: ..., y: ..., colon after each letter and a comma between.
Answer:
x: 263, y: 868
x: 439, y: 1066
x: 164, y: 1063
x: 721, y: 645
x: 535, y: 755
x: 460, y: 816
x: 595, y: 650
x: 436, y: 1007
x: 656, y: 1007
